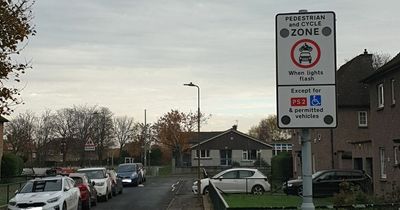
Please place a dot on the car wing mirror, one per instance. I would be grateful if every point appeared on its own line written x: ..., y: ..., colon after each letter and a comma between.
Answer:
x: 220, y: 178
x: 93, y: 183
x: 16, y: 192
x: 66, y: 189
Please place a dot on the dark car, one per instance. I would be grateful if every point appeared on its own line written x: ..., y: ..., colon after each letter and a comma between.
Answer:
x: 326, y: 182
x: 116, y: 182
x: 88, y: 192
x: 130, y: 173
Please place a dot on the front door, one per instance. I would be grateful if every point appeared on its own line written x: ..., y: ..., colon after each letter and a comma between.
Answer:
x: 226, y: 157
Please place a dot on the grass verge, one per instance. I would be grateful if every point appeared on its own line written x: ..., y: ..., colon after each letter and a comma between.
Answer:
x: 270, y: 200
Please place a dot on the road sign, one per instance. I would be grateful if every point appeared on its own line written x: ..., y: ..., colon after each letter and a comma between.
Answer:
x: 90, y: 146
x: 307, y: 105
x: 306, y: 63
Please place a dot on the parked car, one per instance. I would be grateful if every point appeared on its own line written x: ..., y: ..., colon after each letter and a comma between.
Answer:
x: 58, y: 192
x: 236, y: 180
x: 116, y: 182
x: 102, y: 181
x: 326, y: 182
x: 130, y: 173
x: 87, y: 189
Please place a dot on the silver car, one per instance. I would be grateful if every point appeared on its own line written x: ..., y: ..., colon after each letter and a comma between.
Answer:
x: 236, y: 180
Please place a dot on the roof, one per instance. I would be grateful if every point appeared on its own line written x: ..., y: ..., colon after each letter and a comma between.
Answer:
x: 91, y: 169
x: 232, y: 130
x: 3, y: 120
x: 350, y: 90
x: 390, y: 66
x: 204, y: 136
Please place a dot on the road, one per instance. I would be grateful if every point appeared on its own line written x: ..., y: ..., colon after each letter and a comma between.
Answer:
x: 156, y: 193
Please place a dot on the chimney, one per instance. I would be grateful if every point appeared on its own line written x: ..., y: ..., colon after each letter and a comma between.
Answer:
x: 234, y: 127
x: 365, y: 52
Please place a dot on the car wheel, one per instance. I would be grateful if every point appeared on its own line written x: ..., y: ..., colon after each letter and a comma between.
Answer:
x: 64, y: 207
x: 206, y: 190
x: 87, y: 204
x: 105, y: 197
x: 300, y: 191
x: 257, y: 190
x: 120, y: 191
x: 110, y: 195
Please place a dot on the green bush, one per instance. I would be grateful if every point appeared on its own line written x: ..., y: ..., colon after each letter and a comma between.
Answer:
x: 282, y: 167
x: 11, y: 165
x: 350, y: 194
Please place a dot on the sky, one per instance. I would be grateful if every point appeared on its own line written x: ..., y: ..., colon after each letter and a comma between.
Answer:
x: 132, y: 55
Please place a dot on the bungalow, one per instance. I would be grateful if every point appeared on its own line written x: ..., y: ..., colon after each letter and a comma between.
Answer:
x: 228, y: 148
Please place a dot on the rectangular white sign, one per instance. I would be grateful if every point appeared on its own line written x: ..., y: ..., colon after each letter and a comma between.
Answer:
x: 307, y: 106
x: 306, y: 51
x: 306, y: 70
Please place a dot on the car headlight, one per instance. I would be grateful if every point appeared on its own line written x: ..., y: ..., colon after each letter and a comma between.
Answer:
x: 99, y: 183
x: 52, y: 200
x: 12, y: 203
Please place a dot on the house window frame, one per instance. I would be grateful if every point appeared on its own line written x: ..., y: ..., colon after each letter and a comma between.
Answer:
x: 362, y: 118
x: 392, y: 91
x: 246, y: 155
x: 204, y: 153
x: 396, y: 150
x: 382, y: 163
x: 381, y: 95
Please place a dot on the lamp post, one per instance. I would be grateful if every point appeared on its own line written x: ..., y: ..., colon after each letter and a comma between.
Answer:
x: 198, y: 137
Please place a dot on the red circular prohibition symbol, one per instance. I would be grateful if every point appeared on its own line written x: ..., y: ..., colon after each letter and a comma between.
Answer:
x: 304, y: 66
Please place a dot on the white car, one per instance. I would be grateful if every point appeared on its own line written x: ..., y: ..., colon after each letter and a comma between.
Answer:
x: 53, y: 193
x: 102, y: 181
x: 236, y: 180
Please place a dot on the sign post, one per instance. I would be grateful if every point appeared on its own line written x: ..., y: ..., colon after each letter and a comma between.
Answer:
x: 306, y: 80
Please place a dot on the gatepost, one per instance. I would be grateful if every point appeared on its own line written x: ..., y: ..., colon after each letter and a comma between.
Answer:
x: 306, y: 80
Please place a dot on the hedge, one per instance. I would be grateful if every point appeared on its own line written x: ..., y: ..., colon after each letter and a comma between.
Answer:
x: 11, y: 165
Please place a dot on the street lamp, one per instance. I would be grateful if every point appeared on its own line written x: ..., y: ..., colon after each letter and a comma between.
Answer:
x: 198, y: 137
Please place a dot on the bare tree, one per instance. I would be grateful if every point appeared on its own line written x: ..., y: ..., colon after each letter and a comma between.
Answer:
x: 380, y: 59
x: 45, y: 134
x: 65, y: 128
x: 267, y: 130
x: 103, y: 134
x: 125, y: 130
x: 20, y: 134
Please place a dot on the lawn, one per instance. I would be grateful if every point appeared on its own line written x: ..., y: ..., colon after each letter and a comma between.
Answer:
x: 270, y: 200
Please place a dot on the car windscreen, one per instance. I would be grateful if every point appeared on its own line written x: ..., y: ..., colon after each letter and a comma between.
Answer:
x: 42, y: 186
x: 316, y: 174
x: 94, y: 174
x: 126, y: 168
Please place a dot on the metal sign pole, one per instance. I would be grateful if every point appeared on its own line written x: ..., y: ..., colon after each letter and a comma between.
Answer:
x: 306, y: 170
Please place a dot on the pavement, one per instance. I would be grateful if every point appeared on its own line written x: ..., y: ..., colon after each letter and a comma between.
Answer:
x: 184, y: 199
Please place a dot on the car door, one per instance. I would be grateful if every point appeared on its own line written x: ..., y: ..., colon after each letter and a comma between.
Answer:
x: 67, y: 193
x: 227, y: 182
x: 325, y: 184
x: 75, y: 192
x: 244, y: 183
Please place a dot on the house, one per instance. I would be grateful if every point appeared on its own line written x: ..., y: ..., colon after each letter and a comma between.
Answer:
x: 228, y: 148
x: 384, y: 86
x: 349, y: 145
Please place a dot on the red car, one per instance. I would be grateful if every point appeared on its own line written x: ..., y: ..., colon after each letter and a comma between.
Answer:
x: 88, y: 192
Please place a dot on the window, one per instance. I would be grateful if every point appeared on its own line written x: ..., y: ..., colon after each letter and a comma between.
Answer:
x: 381, y: 98
x: 392, y: 83
x: 396, y: 154
x: 245, y: 174
x: 249, y: 155
x: 230, y: 175
x: 382, y: 161
x: 203, y: 153
x: 362, y: 119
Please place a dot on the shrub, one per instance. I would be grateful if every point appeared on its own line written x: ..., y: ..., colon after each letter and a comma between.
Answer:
x: 11, y: 165
x: 350, y: 194
x: 282, y: 167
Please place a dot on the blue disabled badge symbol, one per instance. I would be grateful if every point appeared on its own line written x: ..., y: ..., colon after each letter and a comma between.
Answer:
x: 315, y: 100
